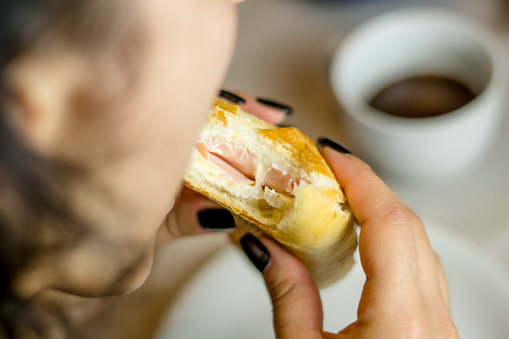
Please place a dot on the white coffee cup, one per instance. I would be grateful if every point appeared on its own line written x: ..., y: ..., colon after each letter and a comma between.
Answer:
x: 407, y: 43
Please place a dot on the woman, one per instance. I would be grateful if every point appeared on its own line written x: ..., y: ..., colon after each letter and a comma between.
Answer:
x: 101, y: 101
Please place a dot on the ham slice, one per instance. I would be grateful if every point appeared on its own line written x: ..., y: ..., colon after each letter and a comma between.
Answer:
x: 282, y: 183
x: 240, y: 165
x: 232, y: 171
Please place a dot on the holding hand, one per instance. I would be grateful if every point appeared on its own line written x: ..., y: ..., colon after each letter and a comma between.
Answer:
x: 405, y: 294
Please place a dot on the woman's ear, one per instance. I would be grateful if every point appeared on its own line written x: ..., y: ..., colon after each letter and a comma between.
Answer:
x: 39, y: 90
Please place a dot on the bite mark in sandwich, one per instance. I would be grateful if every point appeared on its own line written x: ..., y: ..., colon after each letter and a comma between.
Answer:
x: 276, y: 179
x: 240, y: 165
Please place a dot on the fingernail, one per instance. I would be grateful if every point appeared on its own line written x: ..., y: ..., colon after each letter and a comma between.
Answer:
x: 216, y: 219
x: 285, y: 108
x: 332, y: 144
x: 232, y: 97
x: 255, y: 251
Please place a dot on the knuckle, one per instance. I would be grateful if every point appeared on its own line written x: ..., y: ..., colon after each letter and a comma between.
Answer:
x: 410, y: 324
x: 397, y: 213
x: 280, y: 291
x: 421, y: 326
x: 417, y: 328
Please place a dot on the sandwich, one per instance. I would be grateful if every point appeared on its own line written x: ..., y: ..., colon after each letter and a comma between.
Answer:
x: 276, y: 180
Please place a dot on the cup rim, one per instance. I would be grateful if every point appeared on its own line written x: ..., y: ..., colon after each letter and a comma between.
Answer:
x: 359, y: 109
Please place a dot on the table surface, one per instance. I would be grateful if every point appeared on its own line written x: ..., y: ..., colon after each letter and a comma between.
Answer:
x: 283, y: 52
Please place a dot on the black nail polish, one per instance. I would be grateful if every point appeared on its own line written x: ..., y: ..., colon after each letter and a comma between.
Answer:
x: 285, y: 108
x: 255, y: 251
x: 232, y: 97
x: 216, y: 219
x: 332, y: 144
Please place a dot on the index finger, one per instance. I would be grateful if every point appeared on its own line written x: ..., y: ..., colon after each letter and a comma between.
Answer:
x: 268, y: 110
x: 390, y: 232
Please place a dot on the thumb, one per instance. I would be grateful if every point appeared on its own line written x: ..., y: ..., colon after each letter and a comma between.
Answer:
x: 296, y: 302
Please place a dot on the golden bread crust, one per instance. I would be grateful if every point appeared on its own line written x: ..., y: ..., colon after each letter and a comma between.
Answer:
x: 301, y: 147
x: 316, y: 225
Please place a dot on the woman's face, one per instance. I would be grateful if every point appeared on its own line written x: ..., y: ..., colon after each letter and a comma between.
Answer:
x: 136, y: 149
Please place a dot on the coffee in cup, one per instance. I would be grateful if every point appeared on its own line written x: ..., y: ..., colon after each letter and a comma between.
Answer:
x: 422, y: 96
x: 422, y: 91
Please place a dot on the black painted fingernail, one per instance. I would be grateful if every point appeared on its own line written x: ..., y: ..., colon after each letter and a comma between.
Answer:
x: 216, y: 219
x: 255, y: 251
x: 285, y: 108
x: 332, y: 144
x: 232, y: 97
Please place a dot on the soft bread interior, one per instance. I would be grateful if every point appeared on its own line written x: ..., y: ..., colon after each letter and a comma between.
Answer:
x: 310, y: 216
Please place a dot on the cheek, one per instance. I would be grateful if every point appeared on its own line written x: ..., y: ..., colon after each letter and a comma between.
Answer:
x: 185, y: 57
x: 188, y: 67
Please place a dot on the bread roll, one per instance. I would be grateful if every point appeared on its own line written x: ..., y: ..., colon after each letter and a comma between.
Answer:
x: 276, y: 179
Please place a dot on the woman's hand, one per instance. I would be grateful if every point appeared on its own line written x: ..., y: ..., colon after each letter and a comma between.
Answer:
x: 405, y: 294
x: 194, y: 214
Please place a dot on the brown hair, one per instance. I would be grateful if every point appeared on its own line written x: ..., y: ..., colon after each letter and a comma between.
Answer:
x: 32, y: 198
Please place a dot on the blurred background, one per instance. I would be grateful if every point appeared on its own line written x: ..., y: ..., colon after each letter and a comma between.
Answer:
x: 284, y: 52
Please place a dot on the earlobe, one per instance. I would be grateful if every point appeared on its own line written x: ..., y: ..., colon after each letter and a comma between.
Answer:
x: 36, y: 103
x: 18, y: 111
x: 21, y: 115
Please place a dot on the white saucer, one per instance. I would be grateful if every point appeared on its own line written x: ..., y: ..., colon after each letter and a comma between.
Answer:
x: 227, y: 299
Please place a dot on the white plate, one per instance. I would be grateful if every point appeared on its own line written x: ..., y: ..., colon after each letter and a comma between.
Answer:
x: 228, y: 300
